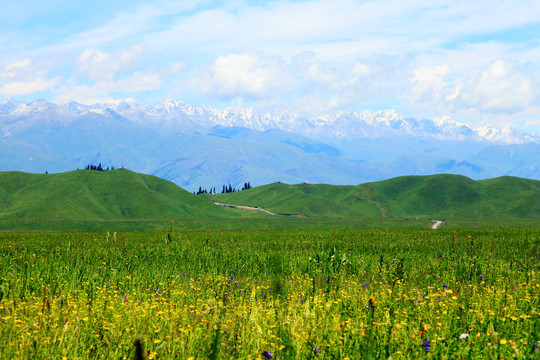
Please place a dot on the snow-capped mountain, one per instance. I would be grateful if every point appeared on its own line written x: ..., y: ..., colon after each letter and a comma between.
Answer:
x: 202, y: 146
x: 506, y: 136
x: 340, y: 125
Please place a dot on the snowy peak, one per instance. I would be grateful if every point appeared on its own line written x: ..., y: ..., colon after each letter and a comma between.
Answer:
x: 9, y: 105
x: 386, y: 118
x: 36, y: 111
x: 76, y: 107
x: 448, y: 126
x: 172, y: 115
x: 21, y: 109
x: 169, y: 106
x: 506, y: 136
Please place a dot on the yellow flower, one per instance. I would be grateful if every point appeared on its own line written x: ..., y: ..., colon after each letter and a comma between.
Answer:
x: 503, y: 341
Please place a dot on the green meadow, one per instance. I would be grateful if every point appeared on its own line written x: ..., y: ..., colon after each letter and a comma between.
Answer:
x: 346, y: 294
x: 101, y: 265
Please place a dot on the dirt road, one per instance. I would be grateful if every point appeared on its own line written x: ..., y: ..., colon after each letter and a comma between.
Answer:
x: 251, y: 208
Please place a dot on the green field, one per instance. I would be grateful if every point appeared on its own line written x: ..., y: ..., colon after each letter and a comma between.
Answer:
x: 87, y: 200
x: 352, y: 294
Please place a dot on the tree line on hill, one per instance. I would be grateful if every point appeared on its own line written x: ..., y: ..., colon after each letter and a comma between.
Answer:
x: 98, y: 167
x: 94, y: 167
x: 224, y: 190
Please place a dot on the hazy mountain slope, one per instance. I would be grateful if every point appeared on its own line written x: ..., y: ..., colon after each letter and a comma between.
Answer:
x: 200, y: 146
x: 259, y: 159
x: 521, y: 160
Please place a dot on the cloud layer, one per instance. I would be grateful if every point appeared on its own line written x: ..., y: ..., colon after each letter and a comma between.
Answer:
x: 477, y: 61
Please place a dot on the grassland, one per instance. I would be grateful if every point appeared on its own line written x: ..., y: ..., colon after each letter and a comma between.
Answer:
x: 353, y: 294
x: 92, y: 200
x: 123, y: 200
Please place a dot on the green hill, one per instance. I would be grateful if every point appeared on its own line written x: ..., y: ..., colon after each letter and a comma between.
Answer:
x: 122, y: 199
x: 436, y: 196
x: 304, y: 199
x: 94, y: 195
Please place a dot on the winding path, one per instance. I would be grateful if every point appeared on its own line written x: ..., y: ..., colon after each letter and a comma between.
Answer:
x: 251, y: 208
x: 437, y: 223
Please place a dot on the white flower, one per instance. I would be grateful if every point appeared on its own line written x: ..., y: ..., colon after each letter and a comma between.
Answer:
x: 463, y: 337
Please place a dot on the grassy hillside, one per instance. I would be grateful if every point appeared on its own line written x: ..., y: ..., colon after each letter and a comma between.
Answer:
x: 436, y: 196
x: 304, y: 199
x: 121, y: 199
x: 91, y: 195
x: 457, y: 196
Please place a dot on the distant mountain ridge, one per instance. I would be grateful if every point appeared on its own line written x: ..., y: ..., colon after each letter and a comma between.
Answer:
x: 339, y: 125
x: 201, y: 146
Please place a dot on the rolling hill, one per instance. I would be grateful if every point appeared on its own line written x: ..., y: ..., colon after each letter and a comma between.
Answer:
x: 436, y: 196
x: 85, y: 198
x: 94, y: 195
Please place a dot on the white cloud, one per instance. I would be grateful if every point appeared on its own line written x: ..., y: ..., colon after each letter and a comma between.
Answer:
x: 139, y: 81
x: 327, y: 88
x: 245, y: 75
x: 83, y: 93
x: 98, y: 66
x: 17, y: 88
x: 14, y: 69
x: 304, y: 83
x: 430, y: 88
x: 174, y: 68
x: 22, y: 77
x: 103, y: 90
x: 496, y: 89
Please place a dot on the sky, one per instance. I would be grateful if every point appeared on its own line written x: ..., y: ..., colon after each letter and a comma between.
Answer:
x: 476, y: 61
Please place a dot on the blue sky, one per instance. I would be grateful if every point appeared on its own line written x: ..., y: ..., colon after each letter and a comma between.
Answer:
x: 475, y: 61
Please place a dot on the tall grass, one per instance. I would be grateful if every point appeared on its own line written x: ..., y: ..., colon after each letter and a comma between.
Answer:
x: 290, y: 294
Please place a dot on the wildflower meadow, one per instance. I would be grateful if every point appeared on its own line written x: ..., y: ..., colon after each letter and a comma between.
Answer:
x: 363, y: 294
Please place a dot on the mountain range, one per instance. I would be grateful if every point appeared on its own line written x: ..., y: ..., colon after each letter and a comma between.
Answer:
x: 195, y: 146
